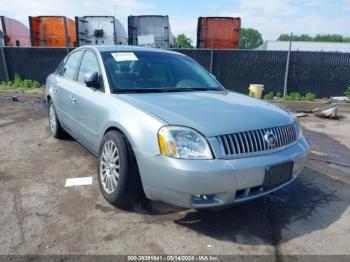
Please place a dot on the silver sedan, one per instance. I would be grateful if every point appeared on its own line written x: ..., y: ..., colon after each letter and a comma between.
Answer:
x: 161, y: 126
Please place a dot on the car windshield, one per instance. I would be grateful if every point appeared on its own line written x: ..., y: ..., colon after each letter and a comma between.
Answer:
x: 144, y: 71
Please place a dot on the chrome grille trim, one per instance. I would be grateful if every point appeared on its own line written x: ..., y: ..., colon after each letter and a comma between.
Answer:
x: 252, y: 143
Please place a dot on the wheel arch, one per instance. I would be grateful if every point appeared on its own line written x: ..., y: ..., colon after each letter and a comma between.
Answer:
x: 116, y: 127
x: 129, y: 141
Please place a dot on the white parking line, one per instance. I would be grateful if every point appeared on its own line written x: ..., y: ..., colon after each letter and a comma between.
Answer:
x: 78, y: 181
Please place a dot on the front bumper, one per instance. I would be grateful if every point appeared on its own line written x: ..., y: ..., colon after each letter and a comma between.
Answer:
x: 177, y: 181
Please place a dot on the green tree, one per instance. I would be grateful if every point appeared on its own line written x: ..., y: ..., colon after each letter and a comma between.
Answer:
x: 182, y: 41
x: 250, y: 38
x: 283, y: 37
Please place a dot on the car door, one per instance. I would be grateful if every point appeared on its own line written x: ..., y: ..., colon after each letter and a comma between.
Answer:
x: 66, y: 76
x: 87, y: 100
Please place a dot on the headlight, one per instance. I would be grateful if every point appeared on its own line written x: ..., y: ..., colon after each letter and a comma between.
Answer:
x: 296, y: 123
x: 183, y: 142
x: 298, y: 127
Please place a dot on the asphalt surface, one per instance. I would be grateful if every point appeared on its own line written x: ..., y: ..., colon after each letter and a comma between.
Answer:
x: 40, y: 216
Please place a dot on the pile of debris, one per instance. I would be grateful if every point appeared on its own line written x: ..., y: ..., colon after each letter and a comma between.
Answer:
x: 330, y: 111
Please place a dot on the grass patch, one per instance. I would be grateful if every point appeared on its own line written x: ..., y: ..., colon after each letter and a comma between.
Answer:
x: 310, y: 96
x: 19, y: 84
x: 268, y: 96
x: 347, y: 92
x: 295, y: 96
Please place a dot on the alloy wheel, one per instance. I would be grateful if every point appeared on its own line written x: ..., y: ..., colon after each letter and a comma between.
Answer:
x: 109, y: 166
x: 52, y: 116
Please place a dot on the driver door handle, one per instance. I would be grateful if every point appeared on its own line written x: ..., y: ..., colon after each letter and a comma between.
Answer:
x: 73, y: 99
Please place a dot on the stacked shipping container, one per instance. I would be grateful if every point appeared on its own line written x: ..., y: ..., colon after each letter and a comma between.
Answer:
x: 146, y: 30
x: 150, y: 30
x: 218, y: 32
x: 100, y: 30
x: 54, y: 31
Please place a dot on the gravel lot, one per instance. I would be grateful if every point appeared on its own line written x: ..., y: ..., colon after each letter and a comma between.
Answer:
x: 39, y: 216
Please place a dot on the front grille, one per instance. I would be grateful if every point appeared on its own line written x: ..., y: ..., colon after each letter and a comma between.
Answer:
x: 249, y: 143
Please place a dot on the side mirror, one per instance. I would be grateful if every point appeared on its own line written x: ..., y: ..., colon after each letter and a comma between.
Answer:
x: 61, y: 70
x: 92, y: 80
x: 213, y: 76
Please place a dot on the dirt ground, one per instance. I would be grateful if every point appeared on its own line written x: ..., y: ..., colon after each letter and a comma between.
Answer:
x: 40, y: 216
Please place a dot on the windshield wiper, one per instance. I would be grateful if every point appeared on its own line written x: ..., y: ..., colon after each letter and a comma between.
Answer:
x: 184, y: 89
x: 142, y: 90
x: 164, y: 90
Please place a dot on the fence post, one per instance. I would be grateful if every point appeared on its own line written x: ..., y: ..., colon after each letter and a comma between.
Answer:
x: 3, y: 60
x: 66, y: 34
x: 285, y: 90
x: 212, y: 53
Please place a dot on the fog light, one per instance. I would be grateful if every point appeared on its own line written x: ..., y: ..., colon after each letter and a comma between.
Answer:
x: 203, y: 197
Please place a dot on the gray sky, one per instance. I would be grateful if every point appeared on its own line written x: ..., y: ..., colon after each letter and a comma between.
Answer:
x: 270, y: 17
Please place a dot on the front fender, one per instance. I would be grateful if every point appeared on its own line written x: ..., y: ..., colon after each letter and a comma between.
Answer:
x: 139, y: 127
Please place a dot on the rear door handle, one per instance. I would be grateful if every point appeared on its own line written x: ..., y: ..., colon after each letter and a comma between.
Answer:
x: 72, y: 99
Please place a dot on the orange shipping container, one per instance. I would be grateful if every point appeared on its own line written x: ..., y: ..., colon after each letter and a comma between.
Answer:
x: 56, y: 31
x: 218, y: 32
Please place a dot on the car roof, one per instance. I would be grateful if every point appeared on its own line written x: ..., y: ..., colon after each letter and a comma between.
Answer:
x: 126, y: 48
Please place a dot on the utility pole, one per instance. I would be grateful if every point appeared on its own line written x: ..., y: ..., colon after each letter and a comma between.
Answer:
x: 285, y: 88
x: 66, y: 34
x: 212, y: 53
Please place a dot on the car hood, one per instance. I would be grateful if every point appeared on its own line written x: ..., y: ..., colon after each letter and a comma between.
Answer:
x: 211, y: 113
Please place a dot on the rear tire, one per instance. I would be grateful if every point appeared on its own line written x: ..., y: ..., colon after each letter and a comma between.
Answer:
x: 54, y: 123
x: 117, y: 171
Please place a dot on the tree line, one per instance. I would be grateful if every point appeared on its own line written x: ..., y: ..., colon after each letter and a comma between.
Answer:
x: 318, y: 38
x: 252, y: 38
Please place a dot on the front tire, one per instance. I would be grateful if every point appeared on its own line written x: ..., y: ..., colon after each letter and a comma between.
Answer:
x: 54, y: 124
x: 117, y: 171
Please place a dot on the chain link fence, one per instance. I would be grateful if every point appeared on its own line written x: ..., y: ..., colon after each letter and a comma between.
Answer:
x: 323, y: 73
x: 237, y: 70
x: 34, y: 63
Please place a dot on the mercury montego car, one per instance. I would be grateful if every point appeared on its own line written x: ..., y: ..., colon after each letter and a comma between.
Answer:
x: 161, y: 126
